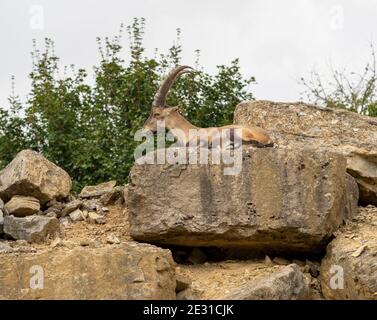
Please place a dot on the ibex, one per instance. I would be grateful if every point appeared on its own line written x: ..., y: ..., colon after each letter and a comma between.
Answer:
x: 180, y: 127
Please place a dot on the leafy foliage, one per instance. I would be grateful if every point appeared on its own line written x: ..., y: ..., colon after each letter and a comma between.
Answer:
x: 356, y: 92
x: 88, y: 129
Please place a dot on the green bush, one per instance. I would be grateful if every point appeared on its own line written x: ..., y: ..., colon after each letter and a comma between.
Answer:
x: 354, y: 91
x: 88, y: 129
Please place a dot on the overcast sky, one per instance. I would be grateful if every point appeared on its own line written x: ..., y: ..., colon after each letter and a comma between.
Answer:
x: 276, y: 41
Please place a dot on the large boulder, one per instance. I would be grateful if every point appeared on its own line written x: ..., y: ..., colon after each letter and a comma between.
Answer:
x: 128, y: 271
x: 349, y: 269
x: 299, y: 124
x: 245, y: 280
x: 21, y: 206
x: 288, y: 283
x: 30, y: 174
x: 32, y: 228
x: 282, y: 200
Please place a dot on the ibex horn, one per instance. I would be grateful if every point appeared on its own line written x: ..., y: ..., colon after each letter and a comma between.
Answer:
x: 160, y: 96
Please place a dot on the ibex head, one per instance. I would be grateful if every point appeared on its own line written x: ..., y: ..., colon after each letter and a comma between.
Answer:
x: 160, y: 111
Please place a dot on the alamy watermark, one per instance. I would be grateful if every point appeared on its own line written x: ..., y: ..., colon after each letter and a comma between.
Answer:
x: 37, y: 19
x: 37, y: 277
x: 337, y: 280
x: 195, y: 146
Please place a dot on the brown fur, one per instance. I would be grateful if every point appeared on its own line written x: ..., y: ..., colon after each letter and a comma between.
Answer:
x: 174, y: 120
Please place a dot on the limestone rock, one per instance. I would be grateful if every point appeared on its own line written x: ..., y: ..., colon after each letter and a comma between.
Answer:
x: 77, y: 215
x: 5, y: 247
x: 71, y: 206
x: 30, y: 174
x: 31, y: 228
x: 246, y: 279
x: 112, y: 197
x: 128, y: 271
x: 95, y: 218
x: 112, y: 239
x: 286, y: 284
x: 349, y: 269
x: 282, y: 200
x: 98, y: 190
x: 22, y: 206
x: 1, y: 204
x: 297, y: 124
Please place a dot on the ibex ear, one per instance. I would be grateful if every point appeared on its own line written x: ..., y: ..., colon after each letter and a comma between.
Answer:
x: 173, y: 109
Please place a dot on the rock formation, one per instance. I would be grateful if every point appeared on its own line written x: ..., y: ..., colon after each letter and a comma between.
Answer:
x: 286, y: 226
x: 297, y: 125
x: 30, y: 174
x: 282, y: 200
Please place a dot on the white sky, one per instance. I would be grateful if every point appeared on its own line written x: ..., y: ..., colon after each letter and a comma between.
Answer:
x: 276, y: 41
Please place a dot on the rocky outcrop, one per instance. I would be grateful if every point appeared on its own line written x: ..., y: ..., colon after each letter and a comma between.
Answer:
x: 282, y: 200
x: 30, y: 174
x: 32, y: 228
x: 288, y: 283
x: 296, y: 125
x: 246, y: 280
x: 21, y: 206
x: 349, y: 269
x: 128, y: 271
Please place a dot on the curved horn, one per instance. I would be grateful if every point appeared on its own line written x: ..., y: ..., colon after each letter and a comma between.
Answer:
x: 160, y: 96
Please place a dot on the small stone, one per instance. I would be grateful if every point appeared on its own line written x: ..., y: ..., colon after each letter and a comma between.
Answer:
x: 359, y: 251
x: 94, y: 243
x: 56, y: 243
x: 312, y: 268
x: 5, y: 247
x: 52, y: 203
x: 32, y: 228
x: 90, y: 205
x: 69, y: 244
x: 76, y: 215
x: 112, y: 239
x: 64, y: 221
x: 70, y: 207
x: 281, y: 261
x: 85, y: 214
x: 98, y: 190
x: 268, y: 261
x: 21, y: 206
x: 105, y: 209
x: 95, y: 218
x: 53, y: 210
x: 112, y: 197
x: 299, y: 262
x: 51, y: 214
x: 21, y: 243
